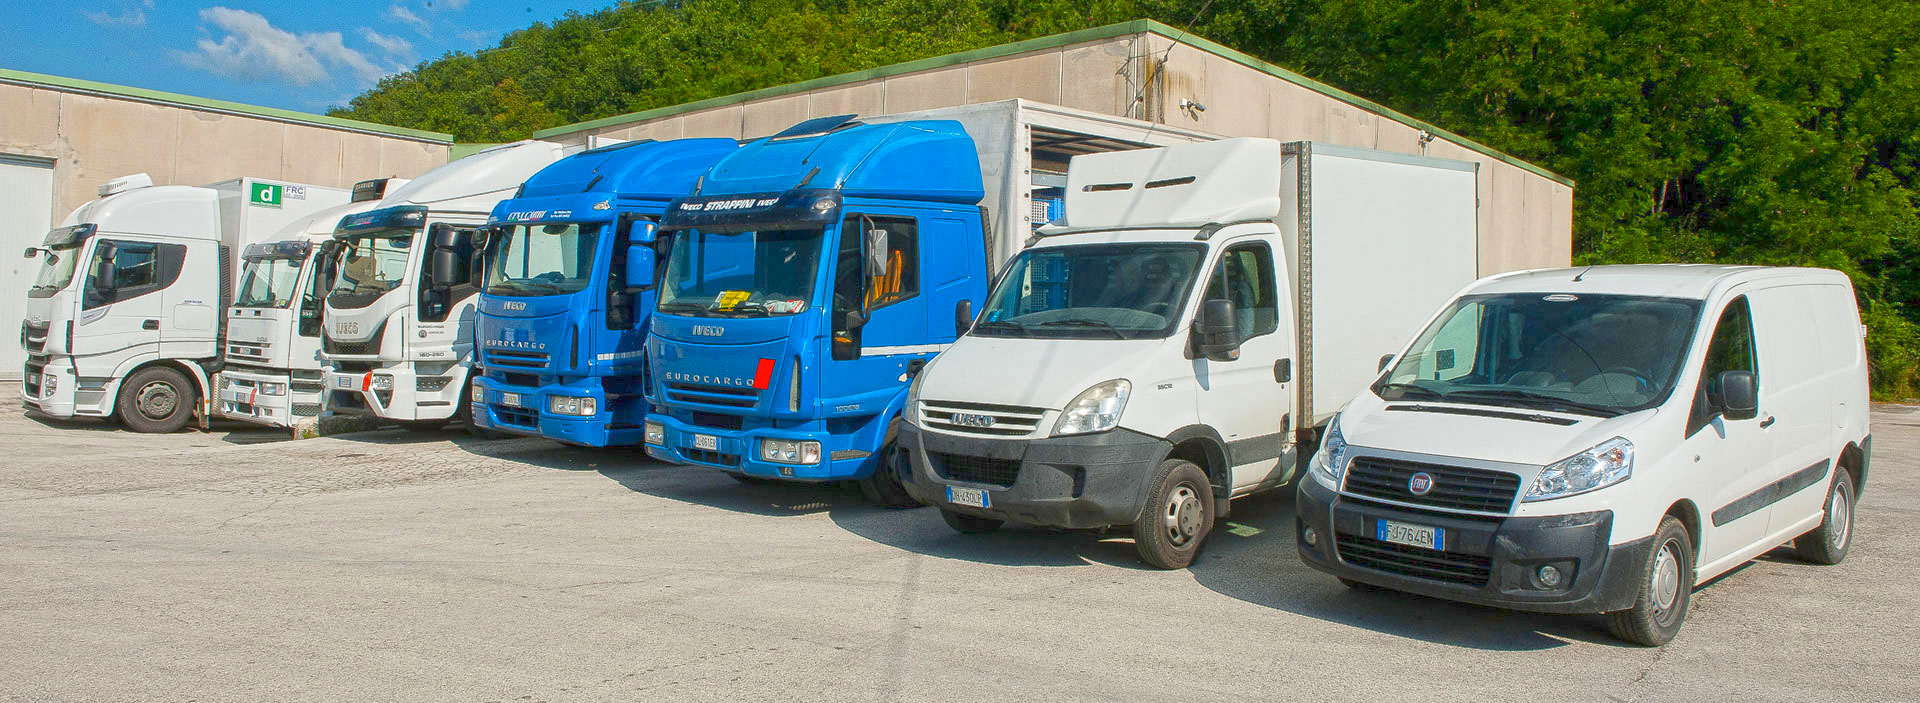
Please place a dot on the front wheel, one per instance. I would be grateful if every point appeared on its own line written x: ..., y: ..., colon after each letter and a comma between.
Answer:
x: 1178, y: 517
x: 156, y: 400
x: 1666, y: 588
x: 1828, y: 543
x: 884, y: 487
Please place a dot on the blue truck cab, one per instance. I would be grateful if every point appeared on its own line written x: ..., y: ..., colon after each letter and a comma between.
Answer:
x: 805, y: 280
x: 565, y: 295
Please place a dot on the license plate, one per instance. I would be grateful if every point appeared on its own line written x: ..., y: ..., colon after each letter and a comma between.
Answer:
x: 968, y: 496
x: 343, y: 382
x: 1411, y: 535
x: 510, y: 399
x: 707, y: 442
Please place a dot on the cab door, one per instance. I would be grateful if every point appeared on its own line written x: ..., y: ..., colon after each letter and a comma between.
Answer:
x: 876, y: 276
x: 1249, y: 399
x: 1731, y: 456
x: 121, y: 307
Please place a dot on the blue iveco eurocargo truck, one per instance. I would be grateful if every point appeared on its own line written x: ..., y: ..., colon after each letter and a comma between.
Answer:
x: 806, y: 279
x: 566, y: 291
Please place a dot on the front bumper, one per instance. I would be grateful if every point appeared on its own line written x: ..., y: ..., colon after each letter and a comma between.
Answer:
x: 1486, y: 561
x: 66, y: 398
x: 738, y: 451
x: 1076, y: 482
x: 239, y: 399
x: 531, y: 417
x: 439, y: 399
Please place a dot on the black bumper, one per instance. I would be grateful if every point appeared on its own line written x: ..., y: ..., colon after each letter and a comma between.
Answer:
x: 1081, y: 482
x: 1486, y: 561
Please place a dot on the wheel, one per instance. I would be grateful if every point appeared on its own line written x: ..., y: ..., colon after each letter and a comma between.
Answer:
x: 970, y: 524
x: 156, y: 399
x: 423, y: 425
x: 1828, y: 543
x: 883, y: 488
x: 1178, y: 517
x: 1666, y: 587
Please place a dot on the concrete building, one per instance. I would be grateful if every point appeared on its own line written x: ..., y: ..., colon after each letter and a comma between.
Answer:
x: 60, y: 138
x: 1165, y: 79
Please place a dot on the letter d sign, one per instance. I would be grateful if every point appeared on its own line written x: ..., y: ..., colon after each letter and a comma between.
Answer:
x: 264, y: 195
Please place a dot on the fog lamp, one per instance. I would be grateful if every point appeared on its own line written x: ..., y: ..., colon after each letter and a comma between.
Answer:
x: 787, y: 451
x: 479, y: 394
x: 1549, y: 576
x: 656, y: 434
x: 1312, y: 536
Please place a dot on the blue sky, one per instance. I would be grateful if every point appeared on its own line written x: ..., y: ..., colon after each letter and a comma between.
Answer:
x: 305, y: 55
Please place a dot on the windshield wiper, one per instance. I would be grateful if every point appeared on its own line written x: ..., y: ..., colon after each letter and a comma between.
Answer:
x: 1406, y: 389
x: 682, y: 307
x: 1117, y: 334
x: 1539, y: 400
x: 1015, y: 326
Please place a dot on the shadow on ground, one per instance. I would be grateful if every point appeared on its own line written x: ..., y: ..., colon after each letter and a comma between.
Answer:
x: 229, y: 431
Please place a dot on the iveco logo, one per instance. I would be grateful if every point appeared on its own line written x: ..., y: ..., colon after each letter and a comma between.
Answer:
x: 346, y: 328
x: 513, y: 305
x: 708, y: 330
x: 972, y: 420
x: 1420, y: 483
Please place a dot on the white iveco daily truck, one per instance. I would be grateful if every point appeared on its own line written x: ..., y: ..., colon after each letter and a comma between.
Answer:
x: 270, y: 371
x: 1179, y: 338
x: 127, y: 316
x: 395, y: 345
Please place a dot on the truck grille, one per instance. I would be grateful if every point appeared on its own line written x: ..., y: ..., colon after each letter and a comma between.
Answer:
x: 367, y: 348
x: 31, y: 380
x: 980, y: 418
x: 719, y: 421
x: 1454, y: 487
x: 709, y: 457
x: 514, y: 359
x: 248, y: 351
x: 431, y: 384
x: 973, y: 469
x: 713, y: 395
x: 34, y: 337
x: 1369, y: 553
x: 306, y: 409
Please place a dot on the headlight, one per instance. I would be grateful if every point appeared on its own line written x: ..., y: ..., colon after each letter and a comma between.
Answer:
x: 565, y: 405
x: 1607, y: 463
x: 913, y: 396
x: 1331, y: 461
x: 479, y: 395
x: 48, y: 382
x: 787, y: 451
x: 1096, y: 410
x: 273, y: 389
x: 656, y: 434
x: 381, y: 383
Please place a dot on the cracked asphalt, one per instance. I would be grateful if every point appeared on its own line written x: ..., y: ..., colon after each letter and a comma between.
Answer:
x: 232, y: 566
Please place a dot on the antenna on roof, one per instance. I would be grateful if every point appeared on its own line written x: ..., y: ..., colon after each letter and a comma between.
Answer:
x: 1583, y: 273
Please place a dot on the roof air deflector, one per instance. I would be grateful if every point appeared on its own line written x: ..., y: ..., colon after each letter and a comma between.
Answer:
x: 817, y: 125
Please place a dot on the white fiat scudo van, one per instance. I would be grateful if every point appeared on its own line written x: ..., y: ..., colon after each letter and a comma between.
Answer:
x: 1600, y: 440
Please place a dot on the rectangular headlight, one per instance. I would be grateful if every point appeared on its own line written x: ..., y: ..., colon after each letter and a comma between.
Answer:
x: 273, y: 389
x: 787, y: 451
x: 380, y: 383
x: 567, y: 405
x: 656, y: 434
x: 479, y: 394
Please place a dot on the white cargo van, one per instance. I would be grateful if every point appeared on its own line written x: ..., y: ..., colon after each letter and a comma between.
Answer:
x: 1180, y: 335
x: 1600, y: 441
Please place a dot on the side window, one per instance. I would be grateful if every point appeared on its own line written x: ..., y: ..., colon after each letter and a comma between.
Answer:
x: 1245, y: 276
x: 1732, y: 349
x: 315, y: 293
x: 134, y: 269
x: 1455, y: 346
x: 435, y: 304
x: 897, y: 240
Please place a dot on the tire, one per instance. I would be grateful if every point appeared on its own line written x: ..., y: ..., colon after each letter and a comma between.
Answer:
x: 1828, y: 543
x: 970, y: 524
x: 1666, y: 589
x: 156, y: 400
x: 1178, y: 517
x: 883, y: 488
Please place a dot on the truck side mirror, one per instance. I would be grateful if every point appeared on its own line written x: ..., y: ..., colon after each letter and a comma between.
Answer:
x: 446, y: 268
x: 28, y: 254
x: 1217, y: 331
x: 640, y: 267
x: 1385, y: 360
x: 962, y: 317
x: 1739, y: 395
x: 854, y: 320
x: 877, y: 253
x: 443, y: 236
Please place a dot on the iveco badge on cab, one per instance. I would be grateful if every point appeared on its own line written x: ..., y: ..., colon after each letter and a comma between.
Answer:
x: 1600, y: 441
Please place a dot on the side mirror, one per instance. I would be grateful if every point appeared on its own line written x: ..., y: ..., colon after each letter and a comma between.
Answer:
x: 443, y: 236
x: 962, y: 317
x: 640, y: 267
x: 1385, y: 361
x: 854, y: 320
x: 446, y: 268
x: 1217, y: 331
x: 1739, y: 395
x: 877, y: 253
x: 28, y: 254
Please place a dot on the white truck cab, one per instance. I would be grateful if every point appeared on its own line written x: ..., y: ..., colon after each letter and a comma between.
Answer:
x: 270, y: 372
x: 127, y: 316
x: 396, y: 345
x: 1175, y: 341
x: 1600, y: 440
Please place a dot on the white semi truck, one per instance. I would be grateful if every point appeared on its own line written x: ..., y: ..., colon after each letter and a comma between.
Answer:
x: 126, y: 319
x: 271, y: 372
x: 395, y: 345
x: 1183, y: 335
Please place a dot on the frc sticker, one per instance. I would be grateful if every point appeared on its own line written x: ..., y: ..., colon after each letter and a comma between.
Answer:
x: 728, y: 299
x: 266, y: 195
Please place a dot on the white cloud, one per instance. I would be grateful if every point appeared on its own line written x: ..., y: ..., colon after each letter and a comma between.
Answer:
x: 395, y: 48
x: 133, y: 17
x: 253, y: 48
x: 447, y: 5
x: 399, y: 13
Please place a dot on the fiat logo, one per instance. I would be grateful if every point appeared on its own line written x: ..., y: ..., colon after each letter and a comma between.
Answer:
x: 1420, y: 483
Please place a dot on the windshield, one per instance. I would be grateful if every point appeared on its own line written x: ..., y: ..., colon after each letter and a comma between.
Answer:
x: 370, y: 265
x: 541, y: 259
x: 1599, y: 355
x: 268, y: 283
x: 1116, y: 291
x: 56, y: 271
x: 746, y: 274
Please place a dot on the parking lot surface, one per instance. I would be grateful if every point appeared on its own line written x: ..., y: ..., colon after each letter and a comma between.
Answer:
x: 391, y: 565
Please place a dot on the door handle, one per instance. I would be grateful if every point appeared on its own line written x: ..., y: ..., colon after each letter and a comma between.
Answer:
x: 1283, y: 371
x: 1764, y: 424
x: 150, y: 325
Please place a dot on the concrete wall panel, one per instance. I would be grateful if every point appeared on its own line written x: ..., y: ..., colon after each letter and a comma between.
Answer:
x: 29, y: 121
x: 216, y: 147
x: 864, y: 99
x: 718, y: 122
x: 1032, y: 76
x: 942, y: 87
x: 1296, y: 114
x: 313, y: 155
x: 765, y: 118
x: 1235, y: 99
x: 1091, y: 79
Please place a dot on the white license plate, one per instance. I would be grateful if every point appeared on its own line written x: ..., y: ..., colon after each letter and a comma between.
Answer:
x: 343, y: 382
x: 968, y: 496
x: 707, y: 442
x: 510, y: 399
x: 1411, y: 535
